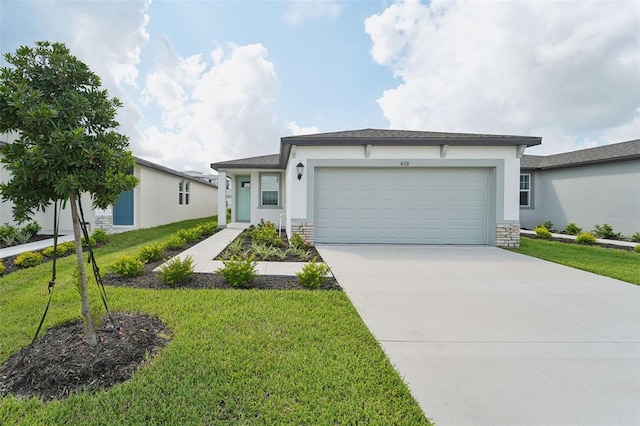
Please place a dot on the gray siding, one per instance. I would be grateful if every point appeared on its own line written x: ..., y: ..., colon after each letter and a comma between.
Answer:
x: 587, y: 195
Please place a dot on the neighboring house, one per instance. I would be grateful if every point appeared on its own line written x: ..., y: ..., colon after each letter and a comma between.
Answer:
x: 587, y: 187
x: 162, y: 196
x: 384, y: 186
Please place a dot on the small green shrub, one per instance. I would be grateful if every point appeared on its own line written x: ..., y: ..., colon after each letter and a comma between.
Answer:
x: 313, y: 274
x: 189, y: 235
x: 176, y: 271
x: 572, y: 229
x: 208, y: 228
x: 606, y: 231
x: 298, y: 241
x: 9, y: 239
x: 128, y: 266
x: 266, y: 252
x: 238, y: 272
x: 28, y: 259
x: 635, y: 237
x: 543, y: 232
x: 637, y: 249
x: 100, y: 235
x: 92, y: 242
x: 2, y: 267
x: 586, y: 238
x: 300, y: 253
x: 235, y: 247
x: 151, y: 252
x: 32, y: 228
x: 547, y: 224
x: 175, y: 242
x: 6, y: 230
x: 63, y: 249
x: 22, y: 236
x: 266, y: 233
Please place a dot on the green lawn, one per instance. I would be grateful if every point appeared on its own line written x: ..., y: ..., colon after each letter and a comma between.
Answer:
x: 237, y: 356
x: 620, y: 264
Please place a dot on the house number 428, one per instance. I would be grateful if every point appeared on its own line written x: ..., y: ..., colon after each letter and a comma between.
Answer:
x: 404, y: 163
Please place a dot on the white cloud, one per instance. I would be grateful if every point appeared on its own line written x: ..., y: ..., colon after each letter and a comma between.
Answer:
x: 213, y: 111
x: 301, y: 11
x: 297, y: 130
x: 563, y: 70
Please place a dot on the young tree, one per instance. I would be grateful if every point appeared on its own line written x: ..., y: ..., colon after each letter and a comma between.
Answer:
x: 67, y: 142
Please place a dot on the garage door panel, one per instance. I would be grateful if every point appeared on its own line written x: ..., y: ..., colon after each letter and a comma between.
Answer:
x: 421, y: 206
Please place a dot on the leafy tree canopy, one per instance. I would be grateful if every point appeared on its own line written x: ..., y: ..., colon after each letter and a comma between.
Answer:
x: 66, y: 125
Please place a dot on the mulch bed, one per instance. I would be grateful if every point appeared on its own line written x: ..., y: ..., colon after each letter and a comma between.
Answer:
x: 61, y: 363
x: 248, y: 243
x: 572, y: 241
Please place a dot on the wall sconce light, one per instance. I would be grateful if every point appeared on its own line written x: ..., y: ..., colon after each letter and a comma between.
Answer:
x: 300, y: 170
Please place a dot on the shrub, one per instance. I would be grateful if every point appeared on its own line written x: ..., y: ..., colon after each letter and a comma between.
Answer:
x: 100, y: 235
x: 7, y: 230
x: 62, y: 250
x: 92, y: 242
x: 266, y: 233
x: 265, y: 252
x: 572, y: 229
x: 189, y: 235
x: 22, y: 236
x: 151, y: 253
x: 176, y: 271
x: 637, y: 249
x: 238, y: 272
x: 2, y: 267
x: 9, y: 239
x: 208, y: 228
x: 542, y: 232
x: 547, y: 224
x: 128, y: 266
x: 235, y: 247
x: 586, y: 238
x: 313, y: 274
x: 298, y: 241
x: 300, y: 253
x: 32, y: 228
x: 175, y: 242
x: 28, y: 259
x: 606, y: 231
x: 635, y: 237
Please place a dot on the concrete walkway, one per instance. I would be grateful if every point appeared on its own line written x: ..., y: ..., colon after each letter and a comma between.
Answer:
x: 484, y: 336
x: 37, y: 245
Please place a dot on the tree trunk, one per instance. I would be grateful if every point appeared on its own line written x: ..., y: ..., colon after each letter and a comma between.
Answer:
x: 90, y: 330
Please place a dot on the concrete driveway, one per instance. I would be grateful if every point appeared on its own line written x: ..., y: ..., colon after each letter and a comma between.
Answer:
x: 484, y: 336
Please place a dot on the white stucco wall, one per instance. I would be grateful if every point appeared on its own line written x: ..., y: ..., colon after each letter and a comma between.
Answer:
x: 156, y: 199
x: 506, y: 192
x: 588, y: 196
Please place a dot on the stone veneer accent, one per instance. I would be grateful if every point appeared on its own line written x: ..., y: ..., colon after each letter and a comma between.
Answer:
x: 105, y: 222
x: 306, y: 230
x: 508, y: 235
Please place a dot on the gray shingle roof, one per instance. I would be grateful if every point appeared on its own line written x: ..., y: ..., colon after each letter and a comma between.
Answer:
x: 262, y: 162
x: 164, y: 169
x: 601, y: 154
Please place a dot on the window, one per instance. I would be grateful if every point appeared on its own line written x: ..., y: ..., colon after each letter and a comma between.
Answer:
x: 269, y: 189
x: 183, y: 192
x: 525, y: 190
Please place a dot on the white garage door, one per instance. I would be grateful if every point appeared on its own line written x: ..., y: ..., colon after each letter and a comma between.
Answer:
x: 406, y: 206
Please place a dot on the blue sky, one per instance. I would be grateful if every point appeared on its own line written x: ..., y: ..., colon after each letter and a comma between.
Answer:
x: 206, y: 81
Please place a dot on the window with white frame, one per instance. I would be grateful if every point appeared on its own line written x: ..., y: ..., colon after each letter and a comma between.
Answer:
x: 181, y: 192
x: 525, y: 190
x: 270, y: 189
x: 186, y: 192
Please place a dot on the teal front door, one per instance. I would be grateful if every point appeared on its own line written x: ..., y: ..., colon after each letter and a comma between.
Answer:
x: 123, y: 209
x: 243, y: 199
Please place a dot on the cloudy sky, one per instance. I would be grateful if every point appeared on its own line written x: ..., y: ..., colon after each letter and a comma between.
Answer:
x: 206, y: 81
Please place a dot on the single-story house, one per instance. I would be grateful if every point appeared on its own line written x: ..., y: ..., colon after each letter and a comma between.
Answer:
x: 384, y: 186
x: 162, y: 196
x: 587, y: 187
